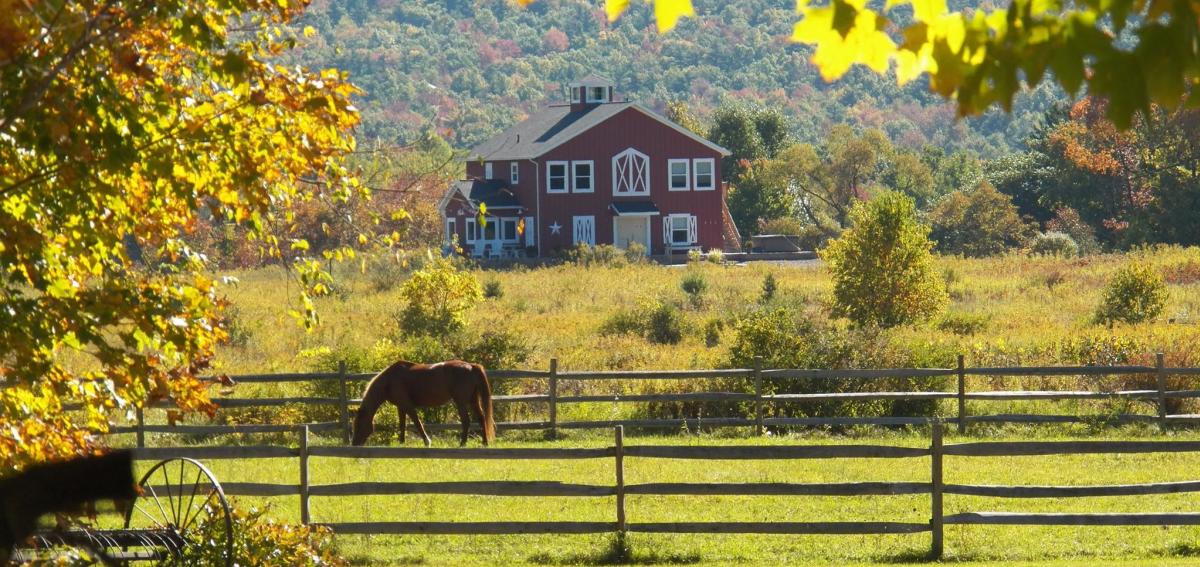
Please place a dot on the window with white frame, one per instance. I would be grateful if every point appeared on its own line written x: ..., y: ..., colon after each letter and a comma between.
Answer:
x: 450, y: 230
x: 679, y: 175
x: 596, y: 94
x: 679, y: 230
x: 471, y: 235
x: 489, y: 230
x: 514, y: 173
x: 631, y: 173
x: 508, y: 229
x: 702, y: 175
x: 487, y: 170
x: 583, y: 176
x: 556, y: 177
x: 576, y: 94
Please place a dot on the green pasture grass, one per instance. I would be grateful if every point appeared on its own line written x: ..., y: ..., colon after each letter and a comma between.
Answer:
x: 1015, y: 545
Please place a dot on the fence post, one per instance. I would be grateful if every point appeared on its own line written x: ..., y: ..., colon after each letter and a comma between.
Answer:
x: 620, y: 461
x: 554, y: 398
x: 758, y: 396
x: 304, y: 515
x: 344, y: 402
x: 141, y: 429
x: 936, y: 486
x: 962, y: 395
x: 1162, y: 391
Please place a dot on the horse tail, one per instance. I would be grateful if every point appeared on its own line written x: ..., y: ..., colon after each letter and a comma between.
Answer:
x: 483, y: 403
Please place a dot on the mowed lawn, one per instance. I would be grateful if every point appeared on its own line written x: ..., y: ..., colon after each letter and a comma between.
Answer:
x: 964, y: 544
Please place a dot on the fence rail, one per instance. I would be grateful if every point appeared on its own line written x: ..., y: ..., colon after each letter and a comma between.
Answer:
x: 936, y: 487
x: 761, y: 399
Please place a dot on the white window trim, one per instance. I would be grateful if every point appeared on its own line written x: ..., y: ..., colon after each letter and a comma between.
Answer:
x: 575, y: 94
x: 514, y: 173
x: 687, y: 175
x: 451, y: 230
x: 669, y: 231
x: 515, y: 238
x: 487, y: 170
x: 616, y: 180
x: 712, y: 175
x: 470, y: 231
x: 591, y: 176
x: 566, y: 165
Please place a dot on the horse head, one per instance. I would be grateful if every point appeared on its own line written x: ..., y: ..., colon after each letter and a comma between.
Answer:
x: 364, y: 425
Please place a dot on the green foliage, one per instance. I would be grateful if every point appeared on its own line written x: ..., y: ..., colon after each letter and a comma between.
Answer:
x: 260, y: 541
x: 712, y: 332
x: 492, y: 289
x: 1067, y: 221
x: 498, y: 349
x: 1136, y: 293
x: 694, y: 285
x: 1054, y: 244
x: 635, y: 253
x: 438, y: 298
x: 599, y: 255
x: 769, y: 287
x: 883, y: 272
x: 962, y: 323
x: 981, y: 222
x: 660, y: 322
x: 695, y: 256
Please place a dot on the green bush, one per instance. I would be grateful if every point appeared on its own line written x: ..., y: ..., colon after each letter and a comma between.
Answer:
x: 260, y: 541
x: 623, y: 322
x: 976, y: 223
x: 492, y: 289
x: 438, y: 298
x: 769, y: 287
x: 599, y: 255
x: 712, y: 332
x: 963, y: 324
x: 715, y: 256
x: 1136, y: 293
x: 498, y: 349
x: 1067, y: 221
x: 694, y: 285
x: 883, y: 272
x: 665, y: 325
x: 635, y: 253
x: 1054, y: 244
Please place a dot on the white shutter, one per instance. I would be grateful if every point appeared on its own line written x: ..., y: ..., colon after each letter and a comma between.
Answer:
x: 530, y: 231
x: 667, y: 230
x: 692, y: 230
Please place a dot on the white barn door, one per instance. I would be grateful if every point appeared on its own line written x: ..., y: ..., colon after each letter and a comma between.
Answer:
x: 585, y: 230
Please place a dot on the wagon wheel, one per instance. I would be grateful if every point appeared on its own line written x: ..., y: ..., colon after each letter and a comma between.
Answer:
x: 177, y: 496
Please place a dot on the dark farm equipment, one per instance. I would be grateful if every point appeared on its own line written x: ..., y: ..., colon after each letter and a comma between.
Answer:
x: 174, y: 497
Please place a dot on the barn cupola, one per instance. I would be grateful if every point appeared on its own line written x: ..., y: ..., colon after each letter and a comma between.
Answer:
x: 591, y: 90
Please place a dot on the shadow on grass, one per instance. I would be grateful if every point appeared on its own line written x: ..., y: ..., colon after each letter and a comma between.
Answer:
x: 618, y: 552
x: 1184, y: 550
x: 907, y: 557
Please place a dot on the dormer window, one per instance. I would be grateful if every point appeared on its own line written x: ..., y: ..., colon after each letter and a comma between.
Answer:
x: 576, y: 94
x: 597, y: 94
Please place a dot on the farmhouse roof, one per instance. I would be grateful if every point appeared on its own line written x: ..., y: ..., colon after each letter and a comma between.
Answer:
x: 494, y: 193
x: 553, y: 126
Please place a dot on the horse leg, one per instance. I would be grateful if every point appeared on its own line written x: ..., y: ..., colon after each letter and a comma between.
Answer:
x: 477, y: 409
x: 400, y: 411
x: 420, y: 427
x: 465, y: 418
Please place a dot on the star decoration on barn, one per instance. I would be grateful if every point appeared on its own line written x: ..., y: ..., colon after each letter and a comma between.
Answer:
x: 554, y: 228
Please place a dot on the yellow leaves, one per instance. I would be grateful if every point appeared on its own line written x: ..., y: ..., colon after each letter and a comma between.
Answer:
x: 666, y: 12
x: 614, y: 8
x: 309, y: 31
x: 863, y: 42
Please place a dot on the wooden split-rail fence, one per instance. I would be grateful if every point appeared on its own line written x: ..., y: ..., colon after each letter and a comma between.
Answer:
x: 619, y: 490
x: 755, y: 395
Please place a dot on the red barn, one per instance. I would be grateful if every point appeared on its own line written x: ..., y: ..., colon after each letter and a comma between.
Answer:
x: 594, y: 171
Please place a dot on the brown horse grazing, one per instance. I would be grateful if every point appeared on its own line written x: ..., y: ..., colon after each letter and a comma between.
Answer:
x: 409, y: 385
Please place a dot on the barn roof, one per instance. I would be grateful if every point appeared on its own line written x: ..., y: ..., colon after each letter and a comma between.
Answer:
x: 495, y: 193
x: 555, y: 125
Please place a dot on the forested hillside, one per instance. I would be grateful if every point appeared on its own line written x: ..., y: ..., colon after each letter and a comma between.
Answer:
x: 476, y: 66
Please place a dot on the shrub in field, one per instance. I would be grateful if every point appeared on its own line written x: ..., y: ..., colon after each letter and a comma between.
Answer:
x: 492, y: 289
x: 715, y: 256
x: 883, y: 272
x: 665, y: 324
x: 659, y: 322
x: 498, y: 349
x: 769, y: 287
x: 694, y: 285
x: 712, y: 332
x: 386, y: 271
x: 262, y: 542
x: 238, y: 333
x: 599, y: 255
x: 1136, y: 293
x: 439, y: 297
x: 1067, y: 221
x: 976, y: 223
x: 963, y: 324
x: 635, y: 253
x: 1054, y: 244
x: 695, y: 256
